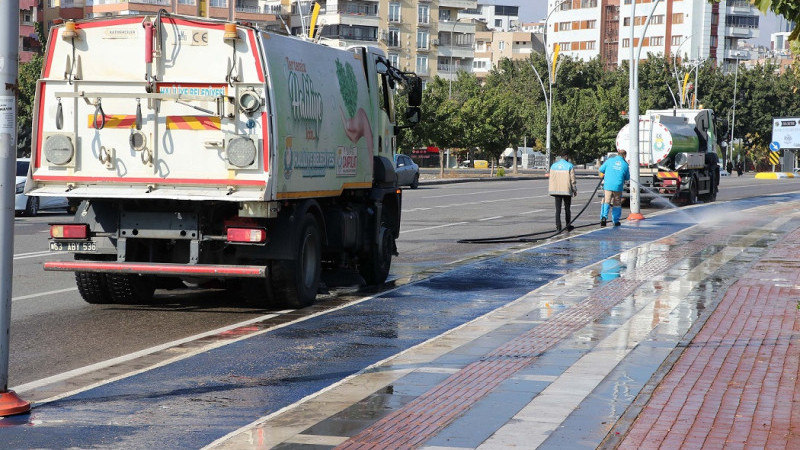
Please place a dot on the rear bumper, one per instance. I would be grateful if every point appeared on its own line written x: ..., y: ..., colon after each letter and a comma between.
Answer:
x: 159, y: 269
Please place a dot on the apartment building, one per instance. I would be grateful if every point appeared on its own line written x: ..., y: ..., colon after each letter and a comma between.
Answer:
x: 260, y: 13
x: 686, y: 29
x: 29, y: 43
x: 492, y: 46
x: 425, y: 36
x: 495, y: 17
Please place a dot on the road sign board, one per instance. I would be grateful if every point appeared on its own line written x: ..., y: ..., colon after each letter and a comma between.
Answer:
x: 786, y: 132
x: 775, y: 146
x: 773, y: 158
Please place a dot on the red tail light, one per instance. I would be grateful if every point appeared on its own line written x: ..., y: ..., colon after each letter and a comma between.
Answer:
x: 252, y: 235
x: 69, y: 231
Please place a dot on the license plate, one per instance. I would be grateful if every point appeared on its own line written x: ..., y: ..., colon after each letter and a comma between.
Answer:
x: 89, y: 246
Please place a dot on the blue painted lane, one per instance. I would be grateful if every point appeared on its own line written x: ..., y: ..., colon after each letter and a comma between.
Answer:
x: 195, y: 401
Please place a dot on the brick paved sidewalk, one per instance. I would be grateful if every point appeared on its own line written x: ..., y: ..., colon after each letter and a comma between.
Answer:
x: 735, y: 385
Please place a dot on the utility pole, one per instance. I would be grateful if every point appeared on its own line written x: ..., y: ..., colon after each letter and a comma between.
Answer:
x: 10, y: 403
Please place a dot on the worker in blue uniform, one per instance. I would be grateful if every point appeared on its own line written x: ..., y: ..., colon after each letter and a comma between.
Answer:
x: 615, y: 173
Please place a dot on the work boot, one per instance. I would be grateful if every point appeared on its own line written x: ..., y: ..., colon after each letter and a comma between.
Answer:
x: 570, y: 228
x: 603, y: 221
x: 616, y: 224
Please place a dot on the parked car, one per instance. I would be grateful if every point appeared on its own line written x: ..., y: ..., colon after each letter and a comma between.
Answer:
x: 30, y: 206
x: 407, y: 171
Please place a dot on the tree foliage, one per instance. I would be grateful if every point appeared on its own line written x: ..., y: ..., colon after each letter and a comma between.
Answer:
x: 509, y: 107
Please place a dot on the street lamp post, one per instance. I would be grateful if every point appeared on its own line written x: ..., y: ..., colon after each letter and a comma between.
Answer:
x: 633, y: 110
x: 552, y: 65
x: 450, y: 67
x: 733, y: 117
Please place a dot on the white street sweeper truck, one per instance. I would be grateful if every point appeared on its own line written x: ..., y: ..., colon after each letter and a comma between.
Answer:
x: 199, y: 150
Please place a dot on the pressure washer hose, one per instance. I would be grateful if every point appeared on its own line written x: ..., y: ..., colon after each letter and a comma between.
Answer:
x: 529, y: 237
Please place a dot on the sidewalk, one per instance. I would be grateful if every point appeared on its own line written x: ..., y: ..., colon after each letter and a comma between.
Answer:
x: 565, y: 368
x: 682, y: 330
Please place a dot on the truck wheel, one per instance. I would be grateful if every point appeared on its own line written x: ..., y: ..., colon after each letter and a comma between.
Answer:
x: 415, y: 183
x: 32, y: 207
x: 295, y: 282
x: 375, y: 267
x: 693, y: 191
x: 254, y: 292
x: 93, y: 288
x: 130, y: 289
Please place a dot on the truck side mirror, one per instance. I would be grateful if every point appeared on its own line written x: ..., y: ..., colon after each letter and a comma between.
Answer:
x: 415, y: 93
x: 413, y: 115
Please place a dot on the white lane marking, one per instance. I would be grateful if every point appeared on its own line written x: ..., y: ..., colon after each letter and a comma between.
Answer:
x: 433, y: 228
x: 42, y: 294
x: 490, y: 218
x: 131, y: 356
x: 476, y: 193
x: 31, y: 254
x: 531, y: 212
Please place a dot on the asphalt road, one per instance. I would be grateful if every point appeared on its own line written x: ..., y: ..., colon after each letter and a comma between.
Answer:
x: 54, y: 331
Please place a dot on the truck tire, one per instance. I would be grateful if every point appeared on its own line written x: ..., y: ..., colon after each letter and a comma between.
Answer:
x: 130, y: 289
x: 253, y: 292
x: 374, y: 268
x: 295, y: 282
x: 32, y: 206
x: 692, y: 195
x: 93, y: 288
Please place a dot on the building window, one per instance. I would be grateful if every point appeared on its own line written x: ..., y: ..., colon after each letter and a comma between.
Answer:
x: 657, y: 20
x: 626, y: 43
x: 424, y: 13
x: 218, y: 3
x: 422, y: 39
x: 394, y: 12
x: 591, y: 24
x: 444, y: 15
x: 394, y: 59
x: 501, y: 46
x: 422, y: 64
x: 393, y: 38
x: 479, y: 65
x: 626, y: 21
x: 677, y: 18
x: 589, y: 45
x: 565, y: 6
x: 186, y: 2
x: 656, y: 41
x: 588, y: 3
x: 677, y: 40
x: 742, y: 21
x: 565, y: 26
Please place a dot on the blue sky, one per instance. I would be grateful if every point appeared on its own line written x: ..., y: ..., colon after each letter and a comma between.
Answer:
x: 535, y: 10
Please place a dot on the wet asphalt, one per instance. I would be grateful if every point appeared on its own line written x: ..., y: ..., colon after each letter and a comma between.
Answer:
x: 243, y: 386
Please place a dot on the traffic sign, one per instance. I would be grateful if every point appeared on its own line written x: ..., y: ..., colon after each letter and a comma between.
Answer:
x: 773, y: 158
x: 775, y: 146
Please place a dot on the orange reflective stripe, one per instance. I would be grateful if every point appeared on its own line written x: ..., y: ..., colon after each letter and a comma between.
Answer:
x: 113, y: 121
x: 193, y: 123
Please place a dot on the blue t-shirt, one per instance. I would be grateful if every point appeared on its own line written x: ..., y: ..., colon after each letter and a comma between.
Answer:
x: 616, y: 173
x: 562, y: 164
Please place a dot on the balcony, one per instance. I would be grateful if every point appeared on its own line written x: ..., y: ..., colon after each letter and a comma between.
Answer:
x: 741, y: 32
x: 368, y: 20
x: 740, y: 8
x: 456, y: 51
x: 457, y: 27
x: 737, y: 54
x: 460, y: 4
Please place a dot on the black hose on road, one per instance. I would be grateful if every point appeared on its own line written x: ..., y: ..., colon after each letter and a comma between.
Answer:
x: 530, y: 236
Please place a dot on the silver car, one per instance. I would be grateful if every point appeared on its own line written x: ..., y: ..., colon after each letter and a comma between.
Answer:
x: 30, y: 206
x: 407, y: 171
